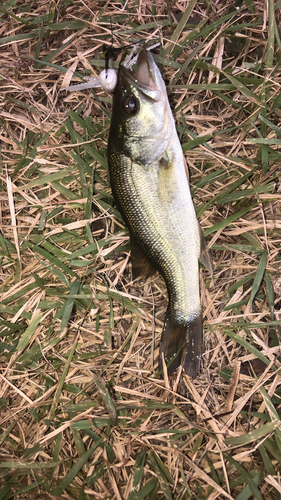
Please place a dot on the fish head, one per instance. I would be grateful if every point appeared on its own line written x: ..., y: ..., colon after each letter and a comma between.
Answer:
x: 141, y: 118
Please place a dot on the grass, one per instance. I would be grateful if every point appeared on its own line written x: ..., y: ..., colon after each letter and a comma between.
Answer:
x: 84, y: 413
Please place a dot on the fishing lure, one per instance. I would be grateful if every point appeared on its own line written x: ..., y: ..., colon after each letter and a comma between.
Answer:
x: 107, y: 79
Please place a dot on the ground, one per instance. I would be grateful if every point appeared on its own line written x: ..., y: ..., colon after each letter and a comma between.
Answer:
x: 84, y: 412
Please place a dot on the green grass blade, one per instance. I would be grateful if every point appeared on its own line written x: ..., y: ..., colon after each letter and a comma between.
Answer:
x: 252, y: 436
x: 106, y: 397
x: 259, y: 276
x: 273, y: 415
x: 62, y: 380
x: 52, y: 259
x: 249, y: 347
x: 266, y: 460
x: 246, y: 493
x: 146, y: 490
x: 29, y: 332
x: 48, y: 179
x: 7, y: 6
x: 138, y: 473
x: 69, y: 305
x: 270, y: 294
x: 70, y: 476
x: 229, y: 220
x: 242, y: 88
x: 271, y: 35
x: 187, y: 146
x: 162, y: 473
x: 246, y: 476
x: 177, y: 33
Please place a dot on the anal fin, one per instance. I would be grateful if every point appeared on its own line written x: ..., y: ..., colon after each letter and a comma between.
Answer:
x: 182, y: 344
x: 141, y: 266
x: 205, y: 256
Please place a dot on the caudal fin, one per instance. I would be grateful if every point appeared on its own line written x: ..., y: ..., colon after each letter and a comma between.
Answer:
x: 182, y: 344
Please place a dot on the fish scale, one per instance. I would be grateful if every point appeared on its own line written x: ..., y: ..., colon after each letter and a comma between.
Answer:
x: 151, y: 190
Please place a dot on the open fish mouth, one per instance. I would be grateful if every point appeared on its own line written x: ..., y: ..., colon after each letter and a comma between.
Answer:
x: 146, y: 79
x: 145, y: 73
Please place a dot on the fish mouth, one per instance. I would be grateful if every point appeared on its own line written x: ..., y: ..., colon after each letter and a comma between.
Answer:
x: 147, y: 79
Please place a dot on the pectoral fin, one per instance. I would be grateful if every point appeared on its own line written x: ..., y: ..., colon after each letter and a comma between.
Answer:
x: 182, y: 344
x: 141, y: 266
x: 205, y: 256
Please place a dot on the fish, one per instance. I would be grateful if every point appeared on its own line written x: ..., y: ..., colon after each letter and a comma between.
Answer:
x: 149, y: 182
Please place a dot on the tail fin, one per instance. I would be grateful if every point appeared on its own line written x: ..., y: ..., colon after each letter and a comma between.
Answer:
x: 182, y: 344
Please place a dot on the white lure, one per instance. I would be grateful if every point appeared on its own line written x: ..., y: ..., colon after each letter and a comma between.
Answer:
x: 107, y: 79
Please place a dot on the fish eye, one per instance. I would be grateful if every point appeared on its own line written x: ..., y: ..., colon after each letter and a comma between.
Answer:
x: 132, y: 105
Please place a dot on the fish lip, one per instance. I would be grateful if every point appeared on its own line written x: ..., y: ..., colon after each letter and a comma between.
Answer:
x: 152, y: 91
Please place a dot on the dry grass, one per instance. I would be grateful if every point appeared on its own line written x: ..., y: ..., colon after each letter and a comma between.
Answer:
x: 84, y: 413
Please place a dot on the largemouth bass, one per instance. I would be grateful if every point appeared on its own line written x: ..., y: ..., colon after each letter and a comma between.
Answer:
x: 151, y: 190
